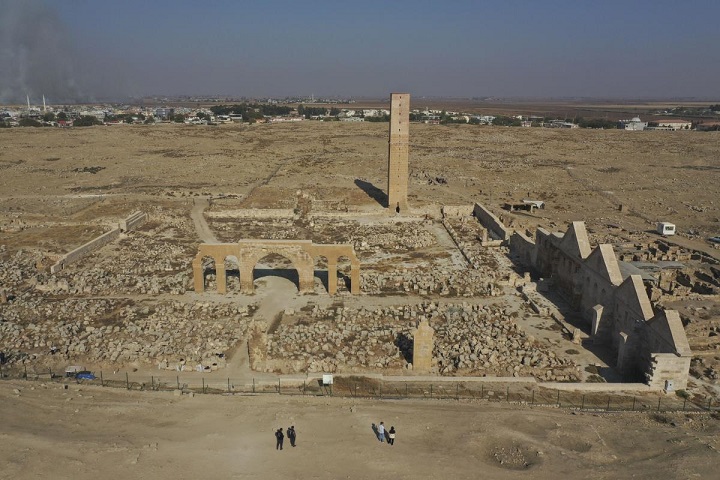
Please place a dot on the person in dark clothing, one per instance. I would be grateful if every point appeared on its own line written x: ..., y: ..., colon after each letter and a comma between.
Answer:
x: 291, y: 435
x: 280, y: 437
x: 391, y: 436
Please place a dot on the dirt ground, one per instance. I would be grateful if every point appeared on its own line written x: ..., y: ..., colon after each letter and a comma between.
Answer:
x: 91, y: 432
x: 59, y: 188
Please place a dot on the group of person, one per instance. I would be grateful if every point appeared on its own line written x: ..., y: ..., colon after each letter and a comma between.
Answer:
x: 384, y: 435
x: 280, y: 437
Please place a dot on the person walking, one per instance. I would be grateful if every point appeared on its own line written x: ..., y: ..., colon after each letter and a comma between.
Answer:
x: 279, y: 437
x: 291, y: 435
x: 381, y: 432
x: 391, y: 436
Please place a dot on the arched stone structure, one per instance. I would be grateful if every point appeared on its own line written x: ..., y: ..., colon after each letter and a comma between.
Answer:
x: 301, y: 253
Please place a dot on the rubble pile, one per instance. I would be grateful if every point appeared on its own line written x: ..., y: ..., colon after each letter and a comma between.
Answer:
x: 469, y: 340
x: 119, y: 331
x: 445, y: 281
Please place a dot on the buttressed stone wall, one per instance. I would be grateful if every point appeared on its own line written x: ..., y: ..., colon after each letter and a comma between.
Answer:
x: 398, y: 152
x: 649, y: 342
x: 302, y: 254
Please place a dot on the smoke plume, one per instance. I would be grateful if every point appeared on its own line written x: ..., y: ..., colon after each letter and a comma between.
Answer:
x: 37, y: 56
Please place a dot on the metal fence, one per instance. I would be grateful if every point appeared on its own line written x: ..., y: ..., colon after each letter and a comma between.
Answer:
x: 370, y: 388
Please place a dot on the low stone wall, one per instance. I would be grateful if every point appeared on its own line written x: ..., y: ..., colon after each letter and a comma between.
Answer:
x: 253, y: 213
x: 455, y: 211
x: 491, y: 222
x: 83, y: 250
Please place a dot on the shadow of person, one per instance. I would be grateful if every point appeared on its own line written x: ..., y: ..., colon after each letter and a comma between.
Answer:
x: 375, y: 431
x: 373, y: 192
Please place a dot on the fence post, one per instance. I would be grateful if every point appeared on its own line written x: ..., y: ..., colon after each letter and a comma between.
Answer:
x: 482, y: 390
x: 659, y: 400
x: 558, y: 397
x: 203, y: 383
x: 127, y: 381
x: 709, y: 400
x: 380, y: 390
x: 684, y: 403
x: 608, y: 405
x: 228, y: 384
x: 582, y: 405
x: 431, y: 390
x: 25, y: 366
x: 177, y: 378
x: 532, y: 398
x: 279, y: 391
x: 152, y: 382
x: 507, y: 394
x: 101, y: 379
x: 457, y: 392
x: 303, y: 387
x: 406, y: 389
x: 50, y: 370
x: 253, y: 384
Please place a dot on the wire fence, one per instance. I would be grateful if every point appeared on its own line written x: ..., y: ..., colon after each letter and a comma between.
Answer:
x: 371, y: 388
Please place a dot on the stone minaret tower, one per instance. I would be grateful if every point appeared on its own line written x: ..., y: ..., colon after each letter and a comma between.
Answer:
x: 398, y: 152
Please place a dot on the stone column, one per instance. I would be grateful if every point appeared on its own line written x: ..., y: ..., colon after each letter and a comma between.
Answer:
x: 332, y: 276
x: 305, y: 278
x: 198, y: 275
x: 355, y: 278
x: 220, y: 275
x: 423, y: 347
x: 246, y: 278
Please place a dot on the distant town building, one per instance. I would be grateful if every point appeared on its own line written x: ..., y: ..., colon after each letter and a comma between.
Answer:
x: 633, y: 124
x: 164, y: 113
x: 671, y: 124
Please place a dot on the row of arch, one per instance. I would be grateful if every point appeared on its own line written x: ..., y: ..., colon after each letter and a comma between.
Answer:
x: 301, y: 257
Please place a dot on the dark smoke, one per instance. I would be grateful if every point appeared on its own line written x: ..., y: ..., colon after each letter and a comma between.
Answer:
x: 37, y: 56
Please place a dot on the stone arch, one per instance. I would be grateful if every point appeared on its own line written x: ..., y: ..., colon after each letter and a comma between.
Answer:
x: 300, y: 260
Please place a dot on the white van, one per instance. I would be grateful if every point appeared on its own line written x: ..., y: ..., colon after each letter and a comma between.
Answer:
x: 666, y: 228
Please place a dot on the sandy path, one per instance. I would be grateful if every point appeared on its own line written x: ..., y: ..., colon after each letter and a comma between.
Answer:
x: 201, y: 226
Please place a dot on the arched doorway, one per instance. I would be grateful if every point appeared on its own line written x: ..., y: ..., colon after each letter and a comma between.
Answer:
x: 209, y: 273
x: 321, y: 272
x: 275, y: 265
x: 232, y: 273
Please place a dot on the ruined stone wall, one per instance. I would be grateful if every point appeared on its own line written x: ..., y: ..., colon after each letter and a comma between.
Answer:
x: 86, y: 249
x: 523, y: 249
x: 491, y: 222
x: 620, y: 312
x: 133, y: 221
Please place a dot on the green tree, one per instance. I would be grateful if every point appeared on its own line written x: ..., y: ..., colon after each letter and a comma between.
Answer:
x: 149, y: 120
x: 62, y: 116
x: 86, y: 121
x: 29, y: 122
x: 179, y: 118
x: 49, y: 117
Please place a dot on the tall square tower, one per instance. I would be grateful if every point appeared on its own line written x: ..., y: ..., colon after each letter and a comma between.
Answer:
x: 398, y: 152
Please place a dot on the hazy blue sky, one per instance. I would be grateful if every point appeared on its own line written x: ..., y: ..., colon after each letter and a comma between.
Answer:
x: 600, y: 48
